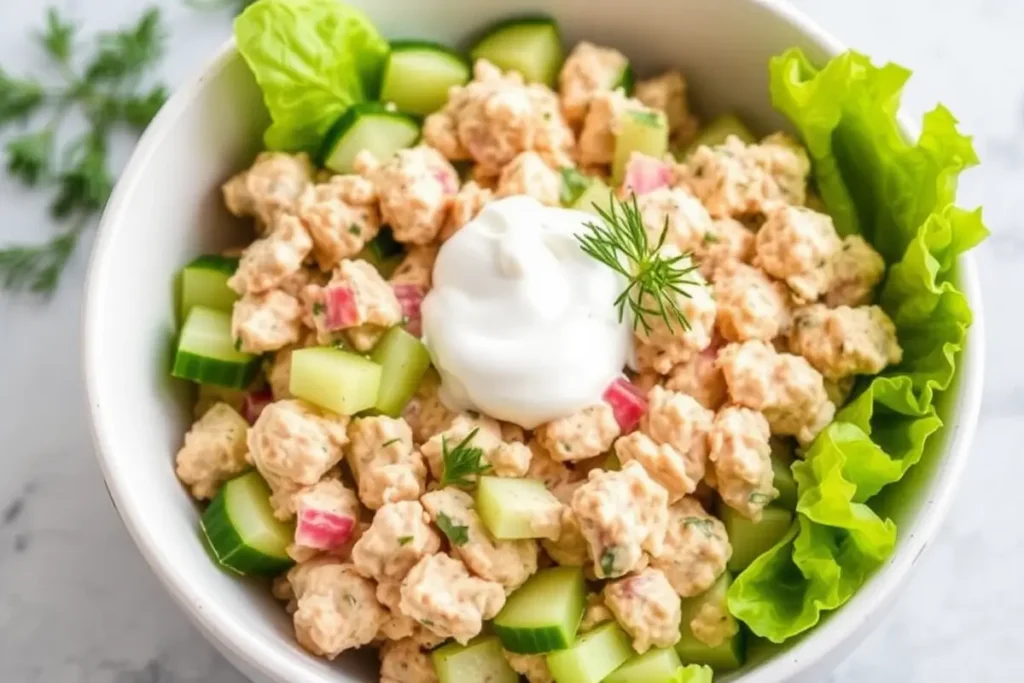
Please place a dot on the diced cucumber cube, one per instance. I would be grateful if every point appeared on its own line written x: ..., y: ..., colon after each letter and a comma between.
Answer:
x: 751, y: 539
x: 419, y: 74
x: 334, y: 379
x: 242, y: 531
x: 594, y: 655
x: 716, y: 133
x: 658, y: 665
x: 544, y: 613
x: 596, y: 195
x: 509, y: 506
x: 368, y: 126
x: 206, y: 351
x: 204, y: 282
x: 403, y: 360
x: 479, y: 660
x: 530, y: 45
x: 725, y: 656
x: 645, y: 132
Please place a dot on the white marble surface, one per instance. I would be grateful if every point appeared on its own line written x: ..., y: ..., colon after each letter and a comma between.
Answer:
x: 78, y: 605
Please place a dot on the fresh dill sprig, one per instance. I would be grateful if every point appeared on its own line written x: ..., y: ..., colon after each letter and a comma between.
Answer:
x: 655, y: 278
x: 462, y: 462
x: 106, y: 91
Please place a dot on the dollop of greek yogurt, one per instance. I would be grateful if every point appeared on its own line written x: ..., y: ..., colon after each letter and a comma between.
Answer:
x: 521, y: 323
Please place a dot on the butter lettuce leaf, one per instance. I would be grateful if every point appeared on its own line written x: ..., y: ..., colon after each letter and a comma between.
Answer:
x: 313, y: 59
x: 899, y: 196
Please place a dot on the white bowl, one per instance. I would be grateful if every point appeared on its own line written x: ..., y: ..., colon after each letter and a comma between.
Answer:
x: 167, y: 208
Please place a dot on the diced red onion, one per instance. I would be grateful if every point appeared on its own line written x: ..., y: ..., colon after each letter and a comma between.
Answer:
x: 645, y: 174
x: 628, y: 403
x: 411, y: 298
x: 340, y: 308
x: 254, y: 403
x: 322, y: 529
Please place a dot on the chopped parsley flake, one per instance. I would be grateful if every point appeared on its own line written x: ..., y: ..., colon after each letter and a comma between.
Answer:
x: 758, y: 498
x: 354, y: 229
x: 404, y: 540
x: 388, y: 443
x: 458, y: 534
x: 319, y: 308
x: 701, y: 524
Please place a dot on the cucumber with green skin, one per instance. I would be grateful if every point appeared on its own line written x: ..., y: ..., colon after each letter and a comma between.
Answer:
x: 367, y: 126
x: 204, y: 282
x: 479, y: 660
x: 419, y: 74
x: 206, y: 353
x: 242, y: 532
x: 530, y: 45
x: 544, y: 613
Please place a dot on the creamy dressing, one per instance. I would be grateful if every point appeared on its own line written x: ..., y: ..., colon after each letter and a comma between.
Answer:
x: 521, y: 324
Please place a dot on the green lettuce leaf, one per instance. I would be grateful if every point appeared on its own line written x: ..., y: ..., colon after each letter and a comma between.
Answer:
x: 930, y: 313
x: 313, y: 59
x: 873, y: 181
x: 899, y: 197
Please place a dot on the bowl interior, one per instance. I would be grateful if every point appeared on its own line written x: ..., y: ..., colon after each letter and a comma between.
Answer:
x: 167, y: 209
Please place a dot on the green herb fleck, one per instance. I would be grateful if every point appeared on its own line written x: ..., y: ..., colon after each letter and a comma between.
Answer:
x: 759, y: 498
x: 607, y: 562
x: 458, y: 534
x: 354, y: 229
x: 654, y: 119
x: 319, y: 308
x: 462, y: 462
x: 701, y: 524
x: 710, y: 238
x: 574, y: 184
x: 388, y: 443
x: 404, y: 540
x: 106, y: 92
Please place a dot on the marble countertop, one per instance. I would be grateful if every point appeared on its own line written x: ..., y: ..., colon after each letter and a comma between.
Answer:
x: 78, y: 604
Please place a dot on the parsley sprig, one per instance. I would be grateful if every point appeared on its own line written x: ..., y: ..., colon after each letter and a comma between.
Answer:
x: 105, y: 89
x: 462, y: 462
x: 654, y: 277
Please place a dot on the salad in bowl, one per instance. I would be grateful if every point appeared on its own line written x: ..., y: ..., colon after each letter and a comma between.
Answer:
x: 526, y: 370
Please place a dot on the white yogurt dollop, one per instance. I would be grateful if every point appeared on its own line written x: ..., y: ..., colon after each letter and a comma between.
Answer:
x: 521, y: 324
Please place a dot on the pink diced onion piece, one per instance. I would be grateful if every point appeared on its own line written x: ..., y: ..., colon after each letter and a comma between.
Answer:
x: 323, y: 529
x: 340, y: 308
x: 449, y: 182
x: 255, y: 402
x: 410, y: 297
x: 628, y: 403
x: 645, y: 174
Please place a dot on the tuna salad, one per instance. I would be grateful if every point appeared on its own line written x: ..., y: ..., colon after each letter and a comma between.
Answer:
x: 518, y: 371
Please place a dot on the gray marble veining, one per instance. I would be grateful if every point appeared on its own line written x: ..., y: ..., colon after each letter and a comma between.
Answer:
x: 78, y: 605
